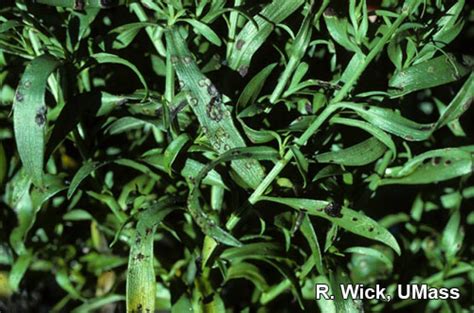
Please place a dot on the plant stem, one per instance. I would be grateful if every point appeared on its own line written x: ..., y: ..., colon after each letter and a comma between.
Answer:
x: 341, y: 94
x: 300, y: 44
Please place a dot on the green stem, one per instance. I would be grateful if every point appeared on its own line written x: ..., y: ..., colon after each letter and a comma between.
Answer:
x: 285, y: 77
x: 298, y: 50
x: 328, y: 110
x: 343, y: 92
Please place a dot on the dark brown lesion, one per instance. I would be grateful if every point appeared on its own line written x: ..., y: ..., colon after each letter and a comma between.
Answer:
x: 140, y: 257
x: 215, y: 109
x: 40, y: 117
x: 239, y: 44
x: 333, y: 209
x: 79, y: 5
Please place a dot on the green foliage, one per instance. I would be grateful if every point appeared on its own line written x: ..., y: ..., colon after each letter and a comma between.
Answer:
x: 226, y: 156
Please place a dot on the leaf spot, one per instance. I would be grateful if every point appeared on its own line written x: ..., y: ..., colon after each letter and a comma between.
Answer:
x: 40, y: 117
x: 240, y: 43
x: 333, y: 209
x: 19, y: 96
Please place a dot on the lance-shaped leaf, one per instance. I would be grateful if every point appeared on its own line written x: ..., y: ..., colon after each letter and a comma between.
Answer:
x: 213, y: 115
x: 359, y: 154
x: 392, y: 122
x: 459, y: 104
x: 431, y: 167
x: 250, y: 38
x: 141, y: 281
x: 348, y: 219
x: 29, y: 115
x: 435, y: 72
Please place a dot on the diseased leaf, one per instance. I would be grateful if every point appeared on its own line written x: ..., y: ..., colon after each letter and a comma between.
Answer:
x: 431, y: 167
x: 29, y: 115
x: 141, y: 281
x: 350, y: 220
x: 426, y: 74
x: 213, y: 115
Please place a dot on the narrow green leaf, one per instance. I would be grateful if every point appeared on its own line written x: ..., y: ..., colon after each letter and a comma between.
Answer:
x: 254, y: 87
x: 206, y: 102
x: 19, y: 269
x: 29, y: 115
x: 338, y: 29
x: 435, y: 72
x: 204, y: 30
x: 141, y: 281
x: 29, y: 204
x: 78, y: 215
x: 460, y: 103
x: 63, y: 279
x: 310, y: 235
x: 173, y: 149
x: 123, y: 35
x: 86, y: 169
x: 252, y: 251
x: 376, y: 132
x: 431, y: 167
x: 359, y: 154
x: 301, y: 163
x: 350, y: 220
x: 250, y: 38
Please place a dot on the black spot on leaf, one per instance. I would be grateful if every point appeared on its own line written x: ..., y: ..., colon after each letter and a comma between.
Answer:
x: 240, y: 43
x: 19, y: 96
x: 79, y: 5
x: 333, y: 209
x: 40, y: 117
